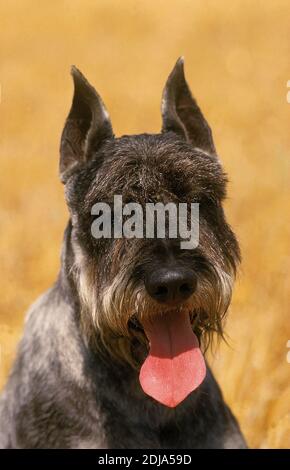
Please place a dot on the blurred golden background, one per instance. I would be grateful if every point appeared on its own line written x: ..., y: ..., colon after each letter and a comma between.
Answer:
x: 237, y: 64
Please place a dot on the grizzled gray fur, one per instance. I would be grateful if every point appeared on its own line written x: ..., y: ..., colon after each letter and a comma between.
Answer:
x: 74, y: 383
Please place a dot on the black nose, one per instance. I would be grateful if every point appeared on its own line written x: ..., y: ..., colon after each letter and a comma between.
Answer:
x: 170, y: 286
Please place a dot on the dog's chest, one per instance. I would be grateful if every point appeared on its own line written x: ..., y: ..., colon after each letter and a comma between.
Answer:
x: 130, y: 423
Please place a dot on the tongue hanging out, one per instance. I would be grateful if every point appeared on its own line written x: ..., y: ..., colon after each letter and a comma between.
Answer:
x: 175, y: 365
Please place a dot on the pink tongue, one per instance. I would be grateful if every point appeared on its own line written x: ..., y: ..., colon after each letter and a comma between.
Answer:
x: 175, y: 365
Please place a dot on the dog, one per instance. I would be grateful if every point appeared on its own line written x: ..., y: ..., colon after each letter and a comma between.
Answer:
x: 112, y: 355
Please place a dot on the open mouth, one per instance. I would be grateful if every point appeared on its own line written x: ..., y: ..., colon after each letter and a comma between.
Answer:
x: 175, y: 365
x: 135, y: 325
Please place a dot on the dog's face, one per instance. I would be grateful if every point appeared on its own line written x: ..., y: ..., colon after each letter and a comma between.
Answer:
x: 123, y: 283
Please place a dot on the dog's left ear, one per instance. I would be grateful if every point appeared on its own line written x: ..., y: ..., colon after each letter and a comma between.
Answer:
x: 181, y: 114
x: 87, y: 126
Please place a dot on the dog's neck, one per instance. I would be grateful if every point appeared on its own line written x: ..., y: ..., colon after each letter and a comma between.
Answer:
x: 65, y: 278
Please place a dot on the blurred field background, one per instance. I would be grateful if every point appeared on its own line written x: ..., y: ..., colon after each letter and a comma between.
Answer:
x: 237, y: 63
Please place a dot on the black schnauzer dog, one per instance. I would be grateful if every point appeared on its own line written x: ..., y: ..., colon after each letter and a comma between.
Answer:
x: 113, y: 354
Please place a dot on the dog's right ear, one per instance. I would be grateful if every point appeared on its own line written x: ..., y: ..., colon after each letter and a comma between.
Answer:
x: 181, y: 113
x: 86, y: 128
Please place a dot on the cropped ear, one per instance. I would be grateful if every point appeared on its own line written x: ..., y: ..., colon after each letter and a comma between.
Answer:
x: 87, y: 126
x: 181, y: 114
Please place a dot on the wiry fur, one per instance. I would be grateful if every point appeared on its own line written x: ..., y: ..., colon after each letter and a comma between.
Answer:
x: 122, y: 295
x: 75, y: 379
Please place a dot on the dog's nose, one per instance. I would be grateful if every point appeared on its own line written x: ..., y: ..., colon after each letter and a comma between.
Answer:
x: 170, y: 286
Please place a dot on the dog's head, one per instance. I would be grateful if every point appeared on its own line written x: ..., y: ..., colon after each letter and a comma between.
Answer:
x: 125, y: 282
